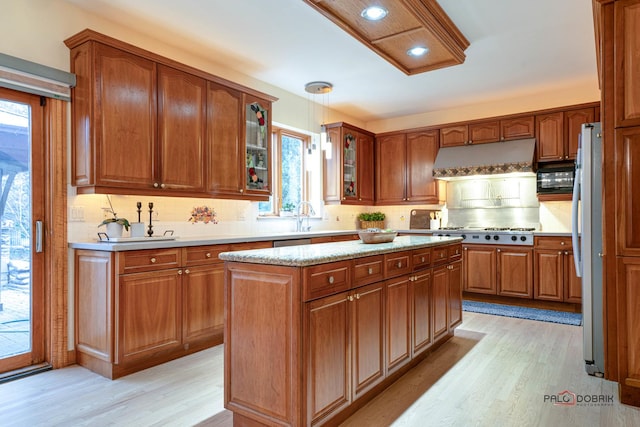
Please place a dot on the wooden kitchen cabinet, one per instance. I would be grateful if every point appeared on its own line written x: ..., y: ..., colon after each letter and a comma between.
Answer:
x: 573, y: 128
x: 257, y: 143
x: 479, y: 269
x: 455, y: 294
x: 144, y: 124
x: 136, y: 309
x: 515, y: 272
x: 618, y: 43
x: 182, y: 103
x: 487, y: 131
x: 365, y: 321
x: 404, y: 172
x: 555, y: 275
x: 225, y: 151
x: 349, y: 172
x: 498, y: 270
x: 149, y: 315
x: 550, y: 137
x: 440, y: 295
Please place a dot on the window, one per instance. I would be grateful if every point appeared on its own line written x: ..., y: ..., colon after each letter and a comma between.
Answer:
x: 293, y: 171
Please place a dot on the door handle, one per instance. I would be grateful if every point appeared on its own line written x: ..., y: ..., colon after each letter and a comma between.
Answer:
x: 39, y: 236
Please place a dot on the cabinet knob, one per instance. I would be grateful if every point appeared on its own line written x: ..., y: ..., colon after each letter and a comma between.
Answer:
x: 349, y: 298
x: 566, y: 252
x: 162, y: 185
x: 179, y: 272
x: 498, y: 250
x: 370, y: 270
x: 187, y: 271
x: 357, y: 296
x: 153, y: 260
x: 331, y: 279
x: 422, y: 259
x: 441, y: 254
x: 562, y: 243
x: 465, y: 248
x: 399, y: 264
x: 241, y: 190
x: 156, y: 185
x: 208, y: 255
x: 559, y: 252
x: 470, y: 142
x: 408, y: 198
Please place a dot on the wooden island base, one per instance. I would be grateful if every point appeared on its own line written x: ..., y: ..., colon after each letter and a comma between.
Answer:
x: 309, y: 342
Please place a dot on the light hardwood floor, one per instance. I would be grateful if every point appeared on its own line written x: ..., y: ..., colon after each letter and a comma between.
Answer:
x: 496, y: 371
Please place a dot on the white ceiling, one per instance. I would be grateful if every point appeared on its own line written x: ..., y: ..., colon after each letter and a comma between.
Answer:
x: 518, y: 48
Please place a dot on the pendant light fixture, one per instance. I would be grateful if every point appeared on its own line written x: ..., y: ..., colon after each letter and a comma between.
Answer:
x: 322, y: 88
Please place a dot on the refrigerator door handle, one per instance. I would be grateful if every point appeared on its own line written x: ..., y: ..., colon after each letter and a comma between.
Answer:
x: 577, y: 256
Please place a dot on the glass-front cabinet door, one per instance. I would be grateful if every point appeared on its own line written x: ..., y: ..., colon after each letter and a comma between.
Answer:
x: 258, y: 146
x: 349, y: 165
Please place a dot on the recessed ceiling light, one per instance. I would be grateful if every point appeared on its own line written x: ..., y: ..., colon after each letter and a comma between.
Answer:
x: 374, y: 13
x: 417, y: 51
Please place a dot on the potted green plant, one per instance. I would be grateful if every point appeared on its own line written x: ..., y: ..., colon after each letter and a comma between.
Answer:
x: 287, y: 209
x: 371, y: 220
x: 114, y: 225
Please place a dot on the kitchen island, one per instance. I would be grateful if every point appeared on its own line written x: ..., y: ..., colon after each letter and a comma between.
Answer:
x: 314, y: 332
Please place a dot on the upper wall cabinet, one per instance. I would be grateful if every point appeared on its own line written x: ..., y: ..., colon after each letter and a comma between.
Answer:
x: 404, y: 168
x: 143, y: 124
x: 558, y: 133
x: 487, y: 131
x: 349, y: 172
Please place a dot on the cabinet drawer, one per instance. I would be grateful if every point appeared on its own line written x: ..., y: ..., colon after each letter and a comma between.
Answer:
x: 326, y: 279
x: 555, y: 242
x: 455, y: 252
x: 251, y: 245
x: 397, y: 264
x: 147, y: 260
x: 440, y: 255
x: 203, y: 255
x: 421, y: 258
x: 368, y: 270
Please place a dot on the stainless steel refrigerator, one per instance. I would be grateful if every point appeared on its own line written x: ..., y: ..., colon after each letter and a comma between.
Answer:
x: 587, y: 243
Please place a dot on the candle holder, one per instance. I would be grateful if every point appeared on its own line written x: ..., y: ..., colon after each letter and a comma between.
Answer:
x: 150, y: 230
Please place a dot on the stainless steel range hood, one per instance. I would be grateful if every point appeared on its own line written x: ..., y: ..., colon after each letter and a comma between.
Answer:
x: 497, y: 158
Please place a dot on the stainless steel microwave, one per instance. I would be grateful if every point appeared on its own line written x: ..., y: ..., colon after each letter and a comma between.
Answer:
x: 555, y: 180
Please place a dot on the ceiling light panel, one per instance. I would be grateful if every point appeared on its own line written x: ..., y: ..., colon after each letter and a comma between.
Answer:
x: 408, y: 23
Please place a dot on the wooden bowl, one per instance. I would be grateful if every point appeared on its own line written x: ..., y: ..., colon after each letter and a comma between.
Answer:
x: 368, y: 236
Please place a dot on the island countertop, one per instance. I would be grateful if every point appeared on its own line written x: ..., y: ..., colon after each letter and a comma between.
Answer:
x: 322, y: 253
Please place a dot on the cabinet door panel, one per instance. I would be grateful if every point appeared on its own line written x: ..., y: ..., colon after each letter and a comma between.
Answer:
x: 149, y: 310
x: 572, y: 283
x: 398, y: 323
x: 368, y: 338
x: 549, y: 275
x: 328, y: 360
x: 203, y: 302
x: 455, y: 294
x: 573, y: 126
x: 627, y: 58
x: 390, y: 173
x: 550, y: 135
x: 479, y: 273
x: 629, y: 318
x: 515, y: 272
x: 332, y: 168
x: 440, y: 301
x: 452, y: 136
x: 520, y: 127
x: 366, y: 169
x: 421, y: 297
x: 422, y: 149
x: 181, y: 129
x: 628, y: 203
x: 125, y: 119
x: 225, y: 156
x: 484, y: 132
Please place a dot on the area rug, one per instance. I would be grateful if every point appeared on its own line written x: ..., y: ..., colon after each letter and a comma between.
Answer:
x: 523, y: 312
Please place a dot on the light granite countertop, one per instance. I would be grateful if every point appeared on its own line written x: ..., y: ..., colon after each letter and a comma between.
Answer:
x: 178, y: 242
x: 322, y: 253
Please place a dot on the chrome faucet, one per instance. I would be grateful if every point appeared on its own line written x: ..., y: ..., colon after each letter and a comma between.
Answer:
x: 299, y: 217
